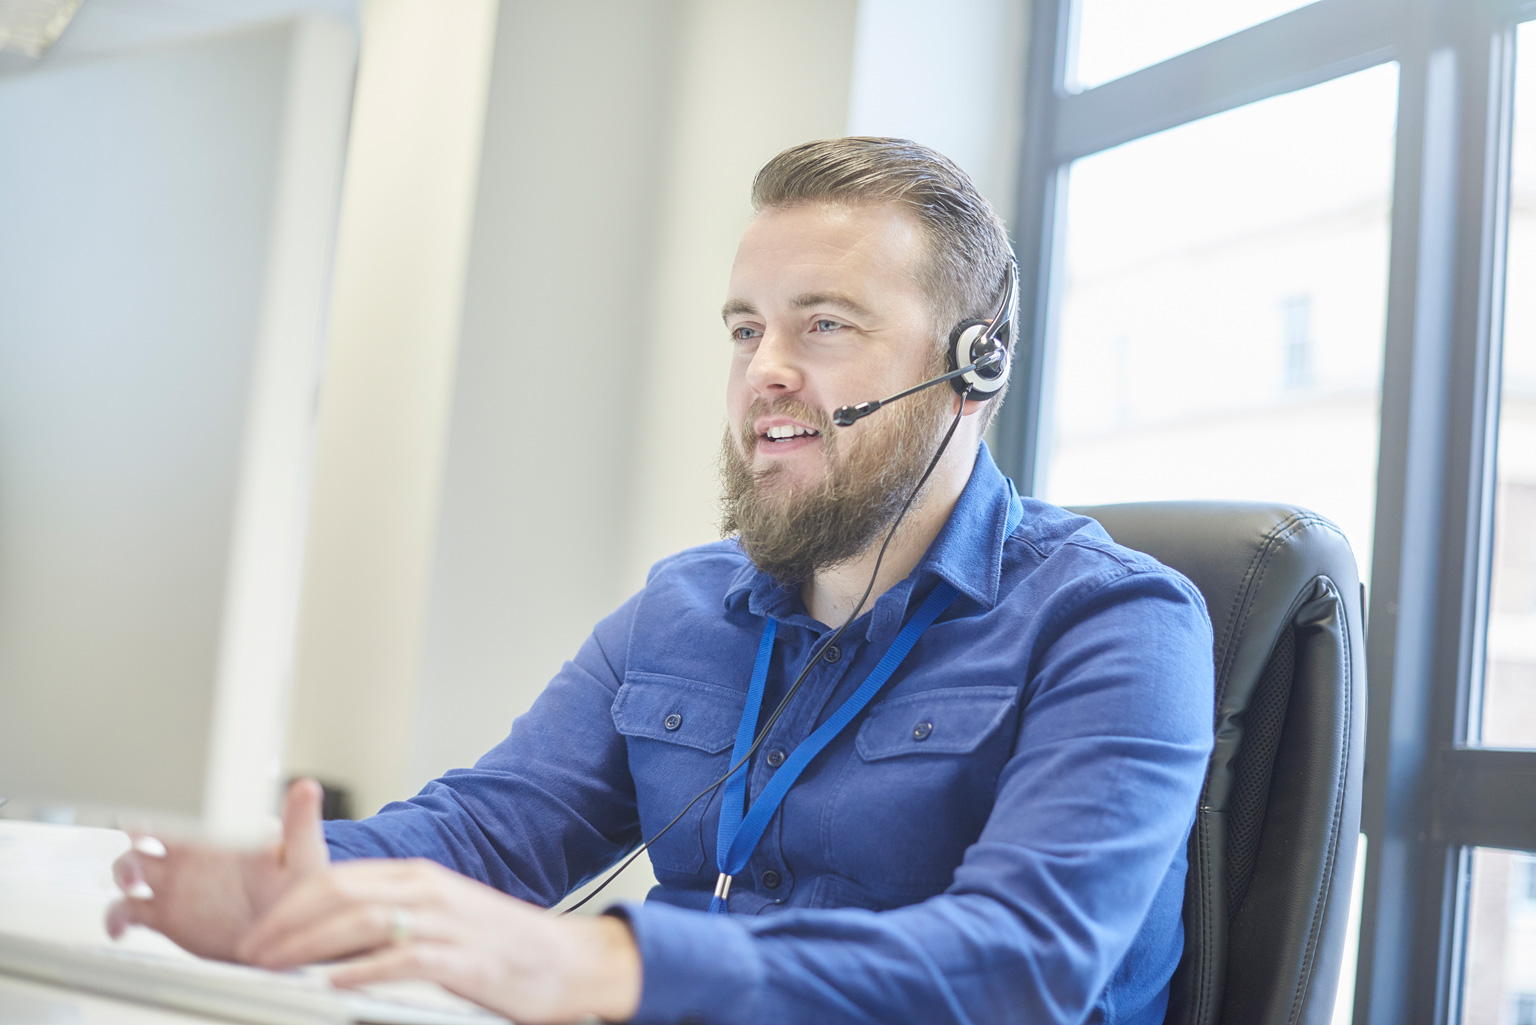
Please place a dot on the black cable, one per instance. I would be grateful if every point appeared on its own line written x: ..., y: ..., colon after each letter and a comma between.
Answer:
x: 809, y: 663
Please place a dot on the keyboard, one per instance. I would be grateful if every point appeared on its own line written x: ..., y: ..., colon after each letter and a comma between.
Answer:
x: 230, y: 991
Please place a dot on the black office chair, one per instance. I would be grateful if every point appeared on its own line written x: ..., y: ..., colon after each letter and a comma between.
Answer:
x: 1272, y: 854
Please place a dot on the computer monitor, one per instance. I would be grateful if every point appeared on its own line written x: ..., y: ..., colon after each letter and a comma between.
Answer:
x: 166, y: 218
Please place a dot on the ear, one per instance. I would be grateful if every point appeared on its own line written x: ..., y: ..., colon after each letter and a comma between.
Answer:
x: 973, y: 406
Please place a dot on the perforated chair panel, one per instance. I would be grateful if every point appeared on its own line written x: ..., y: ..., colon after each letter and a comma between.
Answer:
x: 1253, y: 768
x: 1272, y: 850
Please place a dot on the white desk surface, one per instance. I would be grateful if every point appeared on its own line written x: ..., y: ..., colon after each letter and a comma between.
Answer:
x: 56, y: 882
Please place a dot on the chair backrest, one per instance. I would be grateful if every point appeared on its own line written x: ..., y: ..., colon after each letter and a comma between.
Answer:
x: 1271, y: 856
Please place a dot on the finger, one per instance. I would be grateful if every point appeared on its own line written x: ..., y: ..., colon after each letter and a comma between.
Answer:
x: 457, y: 969
x: 150, y: 845
x: 430, y: 961
x: 303, y: 836
x: 309, y: 901
x: 353, y: 931
x: 129, y: 911
x: 127, y: 873
x: 326, y: 895
x: 141, y: 868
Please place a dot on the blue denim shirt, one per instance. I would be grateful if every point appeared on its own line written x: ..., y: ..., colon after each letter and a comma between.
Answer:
x: 1023, y: 861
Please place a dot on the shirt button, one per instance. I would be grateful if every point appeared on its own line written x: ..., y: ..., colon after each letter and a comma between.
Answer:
x: 772, y: 879
x: 832, y: 654
x: 922, y: 730
x: 673, y: 721
x: 775, y: 758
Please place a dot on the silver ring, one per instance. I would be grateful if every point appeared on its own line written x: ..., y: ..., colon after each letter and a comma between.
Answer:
x: 400, y: 926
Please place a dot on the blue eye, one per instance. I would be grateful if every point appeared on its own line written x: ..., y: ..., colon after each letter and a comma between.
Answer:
x: 827, y: 325
x: 744, y: 333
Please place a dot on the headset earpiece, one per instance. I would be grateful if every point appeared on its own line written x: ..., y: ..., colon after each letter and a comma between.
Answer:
x: 968, y: 343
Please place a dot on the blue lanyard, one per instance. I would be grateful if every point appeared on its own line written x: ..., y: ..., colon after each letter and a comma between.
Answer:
x: 738, y: 837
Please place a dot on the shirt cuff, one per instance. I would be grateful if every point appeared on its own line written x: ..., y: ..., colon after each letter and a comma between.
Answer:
x: 695, y: 967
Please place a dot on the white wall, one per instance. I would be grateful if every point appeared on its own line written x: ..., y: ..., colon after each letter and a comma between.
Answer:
x: 401, y: 258
x: 752, y: 79
x: 538, y: 466
x: 949, y: 74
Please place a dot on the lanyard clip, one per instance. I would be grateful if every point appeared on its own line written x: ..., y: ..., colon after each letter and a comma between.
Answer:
x: 722, y: 890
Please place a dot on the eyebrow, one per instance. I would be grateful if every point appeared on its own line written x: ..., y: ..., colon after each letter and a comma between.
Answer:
x: 734, y: 307
x: 803, y: 301
x: 806, y: 300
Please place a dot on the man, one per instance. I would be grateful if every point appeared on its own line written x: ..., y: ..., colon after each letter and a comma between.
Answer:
x: 997, y: 836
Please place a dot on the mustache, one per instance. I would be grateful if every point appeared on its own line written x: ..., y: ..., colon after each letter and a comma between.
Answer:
x: 812, y: 416
x: 790, y: 532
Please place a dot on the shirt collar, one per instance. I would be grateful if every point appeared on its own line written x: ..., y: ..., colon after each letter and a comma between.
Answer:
x: 968, y: 551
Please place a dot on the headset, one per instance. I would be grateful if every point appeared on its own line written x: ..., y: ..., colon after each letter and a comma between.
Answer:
x: 978, y: 357
x: 986, y: 345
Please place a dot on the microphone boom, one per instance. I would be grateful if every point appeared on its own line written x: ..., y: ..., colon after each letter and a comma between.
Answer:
x: 847, y: 416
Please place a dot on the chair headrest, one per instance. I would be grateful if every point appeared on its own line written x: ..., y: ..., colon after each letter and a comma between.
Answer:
x: 1251, y: 560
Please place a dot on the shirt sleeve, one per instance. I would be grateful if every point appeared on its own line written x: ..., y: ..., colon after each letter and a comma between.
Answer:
x: 1092, y: 812
x: 546, y: 809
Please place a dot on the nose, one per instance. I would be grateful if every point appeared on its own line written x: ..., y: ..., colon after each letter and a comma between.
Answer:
x: 774, y: 370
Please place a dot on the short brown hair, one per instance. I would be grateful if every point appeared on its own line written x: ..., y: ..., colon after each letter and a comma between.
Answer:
x: 968, y: 250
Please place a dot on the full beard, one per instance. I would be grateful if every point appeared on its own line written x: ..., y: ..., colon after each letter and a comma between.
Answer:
x: 793, y: 531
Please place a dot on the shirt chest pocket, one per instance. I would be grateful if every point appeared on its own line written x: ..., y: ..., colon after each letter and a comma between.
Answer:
x: 918, y: 787
x: 679, y: 735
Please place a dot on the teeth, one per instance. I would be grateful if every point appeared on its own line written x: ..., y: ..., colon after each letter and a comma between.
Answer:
x: 788, y: 431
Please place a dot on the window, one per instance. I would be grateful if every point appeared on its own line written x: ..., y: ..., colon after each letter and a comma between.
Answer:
x: 1499, y: 975
x: 1116, y: 37
x: 1233, y: 209
x: 1192, y: 259
x: 1509, y: 678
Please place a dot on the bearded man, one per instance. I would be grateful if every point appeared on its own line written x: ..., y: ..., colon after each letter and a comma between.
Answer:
x: 972, y: 806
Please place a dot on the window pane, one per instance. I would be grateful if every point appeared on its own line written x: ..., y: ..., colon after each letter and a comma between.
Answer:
x: 1224, y: 309
x: 1509, y: 682
x: 1117, y: 37
x: 1499, y: 977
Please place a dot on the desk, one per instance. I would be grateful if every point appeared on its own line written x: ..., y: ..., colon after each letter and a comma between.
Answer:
x: 56, y: 882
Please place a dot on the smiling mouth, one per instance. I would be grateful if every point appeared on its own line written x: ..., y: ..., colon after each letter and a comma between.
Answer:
x: 788, y: 432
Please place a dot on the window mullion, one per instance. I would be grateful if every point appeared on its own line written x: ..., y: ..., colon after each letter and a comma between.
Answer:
x: 1483, y: 798
x: 1036, y: 239
x: 1305, y: 47
x: 1434, y: 429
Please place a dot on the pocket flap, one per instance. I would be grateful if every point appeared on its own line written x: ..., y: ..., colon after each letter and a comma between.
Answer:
x: 678, y: 711
x: 953, y: 720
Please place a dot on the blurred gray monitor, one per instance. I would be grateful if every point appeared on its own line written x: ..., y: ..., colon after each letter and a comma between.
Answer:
x: 166, y: 218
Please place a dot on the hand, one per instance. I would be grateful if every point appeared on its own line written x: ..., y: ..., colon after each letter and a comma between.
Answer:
x: 206, y: 898
x: 418, y: 920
